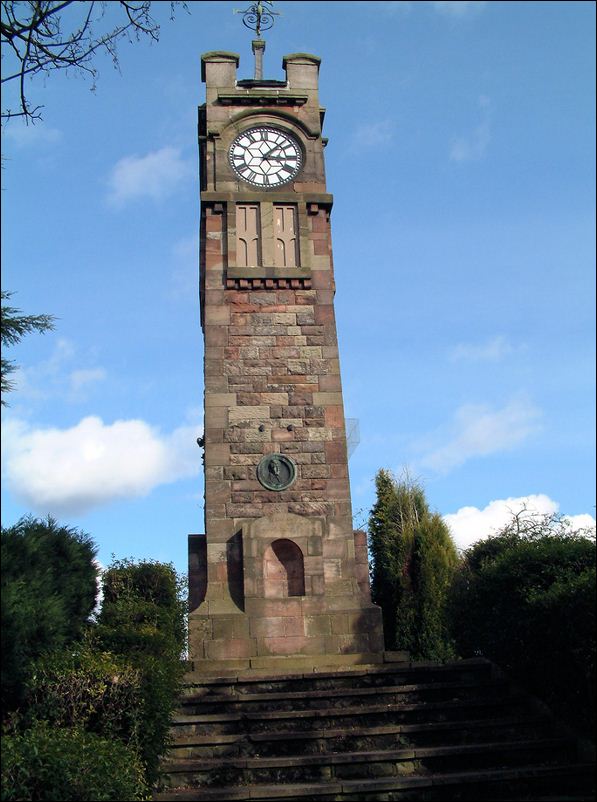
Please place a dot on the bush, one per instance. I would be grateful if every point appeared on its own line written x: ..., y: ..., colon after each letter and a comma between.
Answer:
x: 413, y: 563
x: 87, y: 689
x: 143, y: 619
x: 526, y: 600
x: 49, y: 587
x: 49, y: 763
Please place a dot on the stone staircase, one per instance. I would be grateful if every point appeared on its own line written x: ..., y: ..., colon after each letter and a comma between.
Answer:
x: 411, y: 731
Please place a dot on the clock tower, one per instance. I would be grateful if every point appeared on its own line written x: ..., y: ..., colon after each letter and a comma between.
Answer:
x: 280, y: 580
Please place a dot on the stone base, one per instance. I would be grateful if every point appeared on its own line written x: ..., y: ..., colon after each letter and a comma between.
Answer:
x: 291, y: 665
x: 285, y: 590
x: 271, y: 632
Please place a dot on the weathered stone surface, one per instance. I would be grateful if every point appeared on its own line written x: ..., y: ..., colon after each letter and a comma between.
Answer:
x: 283, y: 573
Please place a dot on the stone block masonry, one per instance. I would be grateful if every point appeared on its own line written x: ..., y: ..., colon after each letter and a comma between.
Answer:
x: 280, y: 575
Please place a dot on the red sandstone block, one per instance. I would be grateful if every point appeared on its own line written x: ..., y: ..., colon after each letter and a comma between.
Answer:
x: 325, y: 297
x: 214, y: 435
x: 230, y: 648
x: 342, y: 508
x: 321, y: 247
x: 213, y: 223
x: 315, y: 471
x: 334, y: 417
x: 294, y: 626
x: 291, y: 645
x: 216, y: 335
x: 221, y: 572
x: 234, y: 297
x: 319, y: 224
x: 335, y: 451
x: 324, y: 315
x: 213, y: 246
x: 267, y: 627
x: 274, y: 608
x: 214, y: 297
x: 322, y: 280
x: 360, y: 540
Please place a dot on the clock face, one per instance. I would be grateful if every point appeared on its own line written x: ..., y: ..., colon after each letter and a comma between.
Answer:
x: 265, y: 157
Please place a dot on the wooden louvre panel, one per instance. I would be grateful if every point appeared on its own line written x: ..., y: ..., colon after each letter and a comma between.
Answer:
x: 248, y: 251
x: 286, y: 234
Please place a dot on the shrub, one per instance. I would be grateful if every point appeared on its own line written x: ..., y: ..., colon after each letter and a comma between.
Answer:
x: 49, y: 763
x: 413, y: 563
x: 49, y: 587
x: 526, y: 600
x: 143, y: 618
x: 87, y: 689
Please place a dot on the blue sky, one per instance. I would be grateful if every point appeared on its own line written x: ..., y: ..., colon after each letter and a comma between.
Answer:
x: 462, y: 163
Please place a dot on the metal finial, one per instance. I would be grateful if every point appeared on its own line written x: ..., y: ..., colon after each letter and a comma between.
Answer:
x: 259, y: 17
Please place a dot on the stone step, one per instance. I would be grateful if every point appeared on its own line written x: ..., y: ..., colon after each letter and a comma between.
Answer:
x: 197, y: 684
x: 348, y: 717
x: 426, y: 731
x: 344, y: 697
x: 531, y: 782
x: 321, y: 741
x: 363, y: 764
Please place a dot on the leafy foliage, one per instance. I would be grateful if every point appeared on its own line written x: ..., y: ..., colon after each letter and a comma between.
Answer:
x: 13, y: 327
x: 87, y: 689
x: 413, y: 562
x: 49, y: 588
x: 526, y: 599
x: 143, y: 619
x: 50, y: 763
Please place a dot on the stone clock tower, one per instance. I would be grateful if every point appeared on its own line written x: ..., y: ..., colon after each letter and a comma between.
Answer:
x: 279, y: 580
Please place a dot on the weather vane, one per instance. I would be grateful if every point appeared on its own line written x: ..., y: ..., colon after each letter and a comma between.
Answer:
x: 259, y: 17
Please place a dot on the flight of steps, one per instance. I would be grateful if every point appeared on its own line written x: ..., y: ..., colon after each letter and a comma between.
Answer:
x: 412, y: 731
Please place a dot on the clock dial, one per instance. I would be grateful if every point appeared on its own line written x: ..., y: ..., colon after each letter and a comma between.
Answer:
x: 265, y: 157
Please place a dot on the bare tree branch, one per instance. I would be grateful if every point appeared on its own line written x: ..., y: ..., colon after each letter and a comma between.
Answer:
x: 34, y: 40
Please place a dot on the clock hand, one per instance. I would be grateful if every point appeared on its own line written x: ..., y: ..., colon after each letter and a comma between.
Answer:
x: 267, y: 155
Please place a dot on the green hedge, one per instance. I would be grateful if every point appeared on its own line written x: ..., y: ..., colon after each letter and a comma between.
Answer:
x: 49, y: 763
x: 94, y: 698
x: 143, y: 618
x: 527, y: 602
x: 49, y: 588
x: 87, y: 689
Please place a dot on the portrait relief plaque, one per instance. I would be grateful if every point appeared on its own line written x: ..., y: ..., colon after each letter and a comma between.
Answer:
x: 276, y: 471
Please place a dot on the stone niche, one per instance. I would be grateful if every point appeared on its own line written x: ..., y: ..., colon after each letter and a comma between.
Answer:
x: 284, y: 603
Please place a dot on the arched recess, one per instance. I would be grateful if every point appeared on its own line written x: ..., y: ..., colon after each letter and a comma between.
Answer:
x: 283, y: 570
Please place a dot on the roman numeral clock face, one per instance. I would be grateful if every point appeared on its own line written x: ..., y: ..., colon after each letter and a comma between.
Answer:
x: 265, y: 157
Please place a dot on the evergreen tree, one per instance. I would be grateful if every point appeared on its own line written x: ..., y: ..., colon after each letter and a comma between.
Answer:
x: 49, y: 588
x: 413, y: 562
x: 13, y: 327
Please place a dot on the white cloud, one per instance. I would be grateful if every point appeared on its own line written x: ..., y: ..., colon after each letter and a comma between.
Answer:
x: 32, y: 135
x: 478, y: 431
x: 82, y: 378
x: 458, y: 8
x: 470, y: 524
x: 156, y: 175
x: 473, y: 146
x: 53, y: 378
x: 491, y: 351
x: 60, y: 471
x: 371, y: 135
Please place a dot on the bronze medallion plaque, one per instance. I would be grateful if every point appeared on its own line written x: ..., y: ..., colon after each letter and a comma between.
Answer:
x: 276, y: 471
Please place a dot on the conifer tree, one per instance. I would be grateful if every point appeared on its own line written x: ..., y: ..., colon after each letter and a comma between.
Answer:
x: 413, y: 561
